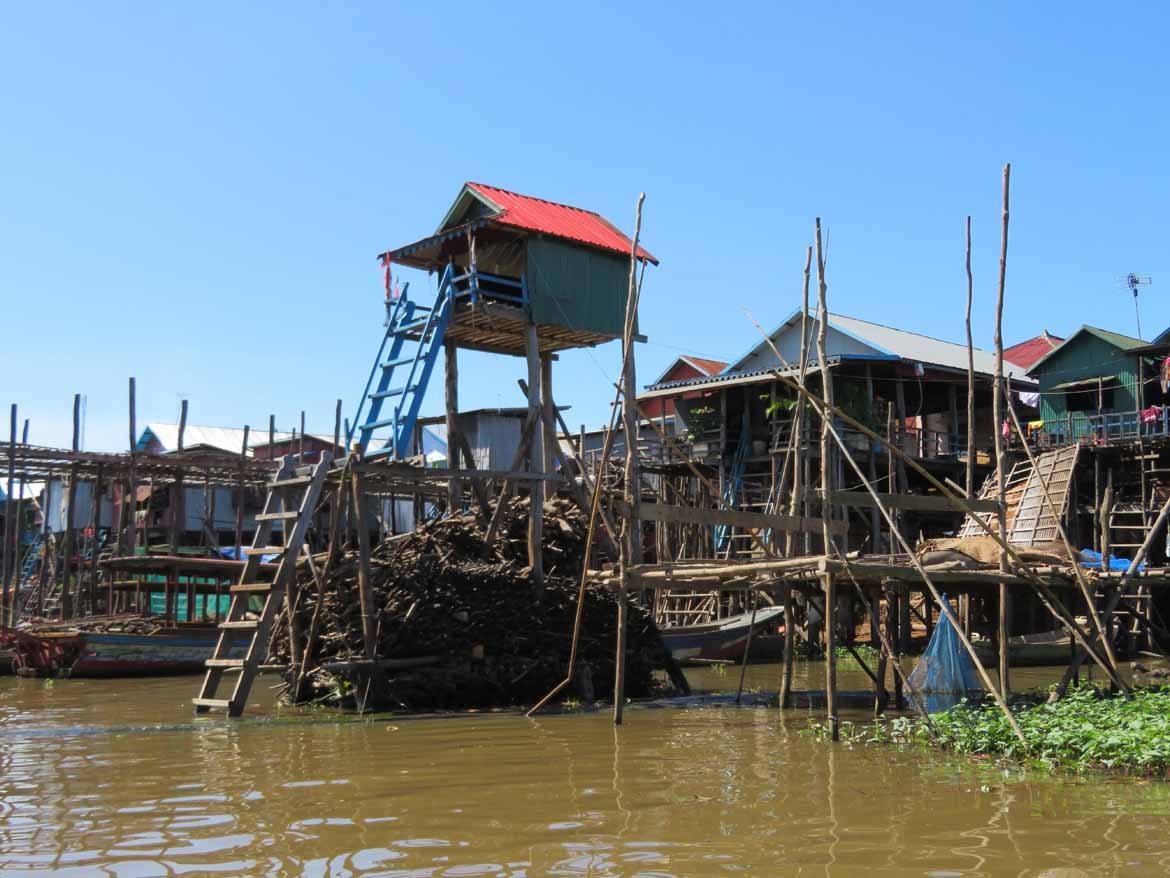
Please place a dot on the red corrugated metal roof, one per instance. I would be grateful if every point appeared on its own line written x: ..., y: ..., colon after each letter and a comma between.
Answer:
x: 1027, y: 353
x: 707, y: 367
x: 561, y: 220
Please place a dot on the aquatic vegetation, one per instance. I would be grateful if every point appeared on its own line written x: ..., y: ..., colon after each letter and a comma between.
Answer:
x: 1087, y: 729
x: 846, y: 660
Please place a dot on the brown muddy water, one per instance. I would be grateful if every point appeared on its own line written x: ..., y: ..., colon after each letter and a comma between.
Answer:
x: 117, y: 778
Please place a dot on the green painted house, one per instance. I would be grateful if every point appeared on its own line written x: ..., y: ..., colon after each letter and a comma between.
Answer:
x: 1094, y: 385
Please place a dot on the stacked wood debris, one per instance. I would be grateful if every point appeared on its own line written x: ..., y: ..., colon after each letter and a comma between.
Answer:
x: 128, y: 624
x: 459, y: 625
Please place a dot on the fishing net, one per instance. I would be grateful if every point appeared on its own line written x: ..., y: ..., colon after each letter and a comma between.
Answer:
x: 945, y: 673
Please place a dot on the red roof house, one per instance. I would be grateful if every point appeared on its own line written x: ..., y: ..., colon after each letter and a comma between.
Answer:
x: 684, y: 368
x: 1027, y: 353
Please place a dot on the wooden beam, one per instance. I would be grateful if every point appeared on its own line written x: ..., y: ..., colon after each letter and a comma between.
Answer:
x: 917, y: 502
x: 735, y: 518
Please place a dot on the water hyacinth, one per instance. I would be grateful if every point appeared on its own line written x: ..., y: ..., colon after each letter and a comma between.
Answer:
x: 1085, y: 730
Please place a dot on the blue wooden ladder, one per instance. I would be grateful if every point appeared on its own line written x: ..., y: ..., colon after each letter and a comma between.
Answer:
x: 414, y: 337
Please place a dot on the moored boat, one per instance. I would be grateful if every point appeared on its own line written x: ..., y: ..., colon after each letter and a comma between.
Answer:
x: 1029, y: 650
x: 722, y: 640
x: 72, y: 652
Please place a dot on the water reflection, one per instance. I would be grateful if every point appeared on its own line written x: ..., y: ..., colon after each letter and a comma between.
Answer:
x: 97, y: 779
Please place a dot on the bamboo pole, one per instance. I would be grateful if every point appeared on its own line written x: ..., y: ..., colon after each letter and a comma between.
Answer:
x: 797, y: 497
x: 632, y: 535
x: 827, y: 581
x: 1003, y: 628
x: 970, y: 375
x: 594, y: 510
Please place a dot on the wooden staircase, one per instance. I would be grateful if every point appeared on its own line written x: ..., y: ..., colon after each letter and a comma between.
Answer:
x: 292, y: 500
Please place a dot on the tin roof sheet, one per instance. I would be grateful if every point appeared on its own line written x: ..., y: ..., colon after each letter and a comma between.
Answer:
x: 560, y: 220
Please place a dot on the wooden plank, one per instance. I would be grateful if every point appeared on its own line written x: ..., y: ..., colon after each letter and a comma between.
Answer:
x: 917, y: 502
x: 734, y: 517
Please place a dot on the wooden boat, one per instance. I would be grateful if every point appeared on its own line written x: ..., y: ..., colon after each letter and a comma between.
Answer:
x: 69, y: 652
x: 721, y: 640
x: 1029, y: 650
x: 168, y: 651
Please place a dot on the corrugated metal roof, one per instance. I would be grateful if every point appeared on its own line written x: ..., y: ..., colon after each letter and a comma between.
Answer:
x: 1026, y: 353
x: 727, y: 379
x: 913, y: 346
x: 707, y: 367
x: 226, y: 438
x: 560, y: 220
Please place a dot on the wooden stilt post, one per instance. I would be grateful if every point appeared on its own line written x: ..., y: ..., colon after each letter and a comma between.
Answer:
x: 240, y: 500
x: 90, y: 575
x: 365, y: 596
x: 13, y: 605
x: 631, y: 543
x: 451, y: 399
x: 179, y: 491
x: 875, y: 518
x: 1003, y: 627
x: 548, y: 414
x: 535, y: 460
x: 338, y: 451
x: 789, y: 645
x: 829, y: 587
x: 70, y: 500
x: 132, y: 535
x: 9, y: 548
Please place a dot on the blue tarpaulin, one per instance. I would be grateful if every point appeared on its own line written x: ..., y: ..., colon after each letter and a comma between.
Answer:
x: 1092, y: 560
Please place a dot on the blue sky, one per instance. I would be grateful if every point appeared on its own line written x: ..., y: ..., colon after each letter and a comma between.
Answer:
x: 194, y: 195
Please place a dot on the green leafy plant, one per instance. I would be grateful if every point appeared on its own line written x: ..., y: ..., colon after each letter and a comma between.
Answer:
x: 1085, y: 730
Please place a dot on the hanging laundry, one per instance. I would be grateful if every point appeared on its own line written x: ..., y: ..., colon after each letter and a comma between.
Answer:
x: 1164, y: 375
x: 1151, y: 414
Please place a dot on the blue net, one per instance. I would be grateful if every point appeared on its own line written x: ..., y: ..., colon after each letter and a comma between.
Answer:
x: 945, y: 673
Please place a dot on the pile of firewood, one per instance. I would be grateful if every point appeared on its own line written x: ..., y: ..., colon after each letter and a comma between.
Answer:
x: 460, y: 625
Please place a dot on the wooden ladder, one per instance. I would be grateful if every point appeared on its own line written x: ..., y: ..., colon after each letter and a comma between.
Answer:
x: 292, y: 500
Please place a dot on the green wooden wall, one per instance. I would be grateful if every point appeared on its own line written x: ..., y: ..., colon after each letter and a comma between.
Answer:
x: 577, y: 288
x: 1084, y: 357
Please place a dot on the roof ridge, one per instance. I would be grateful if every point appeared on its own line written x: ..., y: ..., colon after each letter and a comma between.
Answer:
x: 206, y: 426
x: 535, y: 198
x: 1089, y: 326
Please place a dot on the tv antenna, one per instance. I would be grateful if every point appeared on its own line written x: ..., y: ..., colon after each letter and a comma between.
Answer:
x: 1133, y: 281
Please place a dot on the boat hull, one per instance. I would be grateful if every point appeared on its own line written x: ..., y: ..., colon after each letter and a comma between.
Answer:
x: 131, y: 655
x: 723, y: 640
